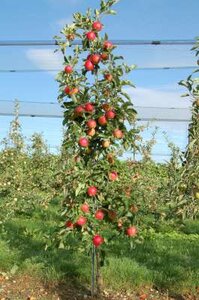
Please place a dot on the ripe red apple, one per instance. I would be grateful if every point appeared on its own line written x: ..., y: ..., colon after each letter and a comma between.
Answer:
x: 91, y: 36
x: 110, y: 114
x: 102, y: 120
x: 108, y: 45
x: 89, y: 107
x: 98, y: 240
x: 131, y: 231
x: 69, y: 224
x: 85, y: 208
x: 118, y: 134
x: 91, y: 132
x: 68, y: 69
x: 91, y: 123
x: 67, y: 90
x: 89, y: 65
x: 95, y: 58
x: 92, y: 191
x: 99, y: 214
x: 79, y: 110
x: 81, y: 221
x: 113, y: 176
x: 108, y: 76
x: 106, y: 143
x: 97, y: 25
x: 83, y: 142
x: 104, y: 56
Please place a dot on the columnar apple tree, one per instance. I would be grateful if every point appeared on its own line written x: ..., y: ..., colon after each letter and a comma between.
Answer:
x: 188, y: 187
x: 98, y: 114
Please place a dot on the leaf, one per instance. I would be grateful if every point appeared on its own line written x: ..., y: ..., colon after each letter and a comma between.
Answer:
x: 14, y: 269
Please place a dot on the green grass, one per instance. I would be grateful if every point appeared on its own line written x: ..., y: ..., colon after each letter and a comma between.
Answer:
x: 166, y: 260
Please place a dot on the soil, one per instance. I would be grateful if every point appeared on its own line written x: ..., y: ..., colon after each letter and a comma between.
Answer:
x: 25, y: 287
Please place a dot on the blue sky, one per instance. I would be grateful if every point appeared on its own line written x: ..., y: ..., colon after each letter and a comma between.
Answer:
x: 136, y: 19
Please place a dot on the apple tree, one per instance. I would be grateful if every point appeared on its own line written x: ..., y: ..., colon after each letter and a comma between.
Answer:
x: 98, y: 118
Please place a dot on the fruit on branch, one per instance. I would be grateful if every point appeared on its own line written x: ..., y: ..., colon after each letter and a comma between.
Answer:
x: 120, y: 224
x: 113, y: 176
x: 97, y: 25
x: 95, y: 58
x: 89, y: 66
x: 91, y: 36
x: 197, y: 195
x: 69, y: 224
x: 131, y: 231
x: 106, y: 107
x: 110, y: 158
x: 70, y: 36
x: 68, y: 69
x: 99, y: 215
x: 91, y: 123
x: 98, y: 240
x: 104, y: 56
x: 81, y: 221
x: 91, y: 132
x: 85, y: 208
x: 89, y: 107
x: 117, y: 133
x: 108, y: 77
x: 83, y: 142
x: 71, y: 91
x: 134, y: 209
x: 79, y: 110
x: 108, y: 45
x: 92, y: 191
x: 102, y: 120
x: 106, y: 143
x: 110, y: 114
x: 112, y: 215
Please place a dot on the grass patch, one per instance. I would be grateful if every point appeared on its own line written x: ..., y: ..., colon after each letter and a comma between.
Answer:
x: 166, y: 260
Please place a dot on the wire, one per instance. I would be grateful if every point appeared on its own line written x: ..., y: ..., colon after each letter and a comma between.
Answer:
x: 136, y: 69
x: 116, y: 42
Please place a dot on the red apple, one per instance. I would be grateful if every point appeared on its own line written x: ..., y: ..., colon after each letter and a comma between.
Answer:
x: 104, y: 56
x: 113, y: 176
x: 89, y: 107
x: 81, y: 221
x: 68, y: 69
x: 98, y: 240
x: 99, y: 214
x: 95, y: 58
x: 97, y: 25
x: 102, y: 120
x: 92, y: 191
x: 91, y: 123
x: 89, y: 65
x: 131, y: 231
x: 69, y: 224
x: 110, y: 114
x: 67, y: 90
x: 79, y: 110
x: 118, y: 134
x: 83, y: 142
x: 91, y: 36
x: 85, y: 208
x: 108, y: 76
x: 91, y: 132
x: 108, y: 45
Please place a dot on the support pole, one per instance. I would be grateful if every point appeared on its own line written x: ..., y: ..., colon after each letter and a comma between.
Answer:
x: 93, y: 272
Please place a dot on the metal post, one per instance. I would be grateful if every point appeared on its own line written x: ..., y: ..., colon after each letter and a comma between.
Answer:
x: 93, y: 272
